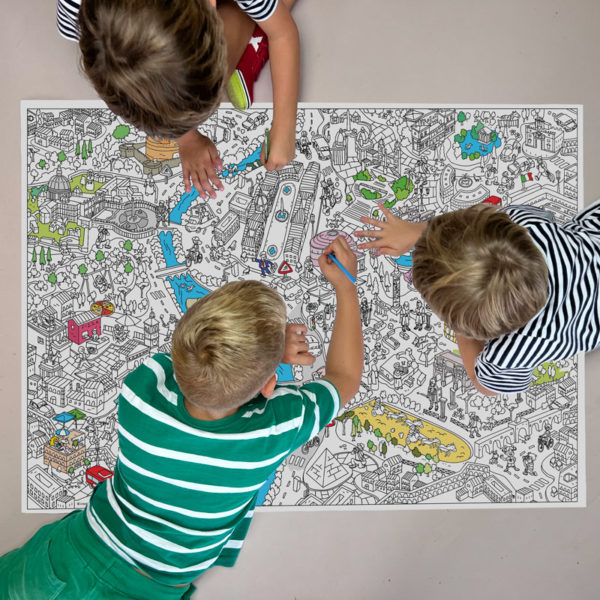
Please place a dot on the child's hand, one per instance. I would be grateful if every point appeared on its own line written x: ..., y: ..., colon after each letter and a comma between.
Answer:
x: 282, y: 148
x: 296, y: 349
x: 394, y: 235
x: 200, y: 162
x: 334, y: 274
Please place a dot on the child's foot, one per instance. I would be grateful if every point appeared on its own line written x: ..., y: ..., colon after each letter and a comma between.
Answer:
x: 240, y: 87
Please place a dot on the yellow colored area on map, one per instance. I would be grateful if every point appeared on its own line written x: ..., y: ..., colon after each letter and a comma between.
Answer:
x: 429, y: 430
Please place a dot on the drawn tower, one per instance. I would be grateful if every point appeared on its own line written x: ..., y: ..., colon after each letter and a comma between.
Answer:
x: 151, y: 330
x: 396, y: 288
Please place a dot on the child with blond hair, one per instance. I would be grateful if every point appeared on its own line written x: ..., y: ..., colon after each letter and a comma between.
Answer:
x: 517, y: 288
x: 162, y: 66
x: 200, y: 432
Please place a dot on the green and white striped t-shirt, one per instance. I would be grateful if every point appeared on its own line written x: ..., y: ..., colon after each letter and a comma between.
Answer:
x: 184, y: 490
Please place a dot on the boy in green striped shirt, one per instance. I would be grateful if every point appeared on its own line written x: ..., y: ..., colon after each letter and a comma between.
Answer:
x: 200, y: 431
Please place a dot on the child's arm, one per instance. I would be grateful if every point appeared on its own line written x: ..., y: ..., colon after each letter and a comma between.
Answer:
x: 394, y: 235
x: 199, y: 162
x: 284, y: 54
x: 469, y: 350
x: 344, y: 363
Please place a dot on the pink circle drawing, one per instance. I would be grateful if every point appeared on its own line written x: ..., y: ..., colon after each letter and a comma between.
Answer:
x: 323, y: 239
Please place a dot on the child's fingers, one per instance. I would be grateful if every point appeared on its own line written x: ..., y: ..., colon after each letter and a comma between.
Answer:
x: 374, y: 233
x: 388, y: 250
x: 198, y: 184
x: 214, y: 179
x: 306, y: 358
x: 373, y: 244
x: 388, y: 215
x: 186, y: 181
x: 263, y: 155
x: 371, y: 221
x: 298, y: 328
x: 205, y: 181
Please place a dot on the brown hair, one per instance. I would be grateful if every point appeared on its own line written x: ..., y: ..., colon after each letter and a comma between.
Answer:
x: 480, y: 272
x: 159, y: 65
x: 228, y: 344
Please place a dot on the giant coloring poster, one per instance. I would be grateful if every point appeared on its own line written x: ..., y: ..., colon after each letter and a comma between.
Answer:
x: 114, y: 249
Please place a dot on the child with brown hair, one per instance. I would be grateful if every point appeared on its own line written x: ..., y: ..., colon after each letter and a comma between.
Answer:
x: 200, y: 431
x: 162, y: 66
x: 517, y: 288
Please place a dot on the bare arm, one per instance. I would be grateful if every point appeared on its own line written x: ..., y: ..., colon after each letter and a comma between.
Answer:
x: 344, y: 363
x: 469, y: 350
x: 284, y: 54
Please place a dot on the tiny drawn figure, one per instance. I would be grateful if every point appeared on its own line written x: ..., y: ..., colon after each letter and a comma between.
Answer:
x: 419, y: 316
x: 169, y: 325
x: 529, y: 464
x: 405, y: 316
x: 162, y: 214
x: 303, y: 145
x: 398, y: 374
x: 102, y: 239
x: 433, y: 394
x: 494, y: 457
x: 265, y: 266
x: 545, y: 440
x: 365, y: 312
x: 474, y: 425
x: 511, y: 459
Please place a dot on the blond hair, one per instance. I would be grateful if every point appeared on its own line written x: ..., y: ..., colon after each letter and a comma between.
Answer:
x: 159, y: 65
x: 228, y: 344
x: 480, y: 272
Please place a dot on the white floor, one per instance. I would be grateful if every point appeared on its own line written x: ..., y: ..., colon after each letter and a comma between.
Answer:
x: 516, y: 51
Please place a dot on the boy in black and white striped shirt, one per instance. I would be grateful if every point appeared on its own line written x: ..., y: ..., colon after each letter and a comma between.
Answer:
x: 162, y: 67
x: 518, y: 288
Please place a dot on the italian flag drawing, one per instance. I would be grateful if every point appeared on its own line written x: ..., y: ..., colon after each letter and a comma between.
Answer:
x: 526, y: 177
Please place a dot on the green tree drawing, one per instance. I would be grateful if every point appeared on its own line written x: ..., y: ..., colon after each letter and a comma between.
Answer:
x: 128, y: 268
x: 416, y: 452
x: 461, y: 117
x: 99, y: 255
x: 394, y: 441
x: 61, y: 156
x: 42, y: 257
x: 77, y: 149
x: 52, y: 278
x: 371, y: 446
x: 120, y: 132
x: 42, y: 164
x: 33, y: 256
x: 378, y: 433
x: 367, y: 425
x: 82, y: 269
x: 427, y: 468
x: 48, y: 256
x: 127, y: 245
x: 90, y: 147
x: 388, y: 437
x: 420, y: 468
x: 436, y: 459
x: 384, y: 448
x: 84, y: 152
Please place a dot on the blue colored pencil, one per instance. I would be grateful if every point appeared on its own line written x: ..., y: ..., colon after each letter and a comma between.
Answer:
x: 343, y: 268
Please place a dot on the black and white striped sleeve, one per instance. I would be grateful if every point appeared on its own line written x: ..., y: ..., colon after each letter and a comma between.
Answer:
x: 67, y: 12
x: 587, y: 221
x: 525, y: 215
x: 258, y: 10
x: 502, y: 380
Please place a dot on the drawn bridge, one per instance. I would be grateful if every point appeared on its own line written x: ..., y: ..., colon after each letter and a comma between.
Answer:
x: 518, y: 430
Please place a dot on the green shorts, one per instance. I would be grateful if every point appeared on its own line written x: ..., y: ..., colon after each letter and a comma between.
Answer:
x: 66, y: 561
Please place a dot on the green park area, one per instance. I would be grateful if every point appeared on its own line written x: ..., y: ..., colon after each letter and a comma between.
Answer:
x: 76, y: 183
x: 44, y: 231
x: 546, y: 377
x: 369, y: 195
x: 362, y: 176
x: 32, y: 202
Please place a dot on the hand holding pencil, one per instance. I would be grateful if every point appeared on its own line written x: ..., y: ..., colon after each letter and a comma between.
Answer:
x: 338, y: 264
